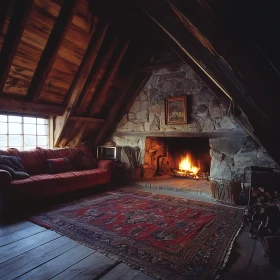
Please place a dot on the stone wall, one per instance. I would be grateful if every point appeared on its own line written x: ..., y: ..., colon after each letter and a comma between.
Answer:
x: 204, y: 114
x: 229, y: 157
x: 204, y: 111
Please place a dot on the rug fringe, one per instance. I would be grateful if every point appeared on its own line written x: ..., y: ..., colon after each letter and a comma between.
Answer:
x: 226, y: 259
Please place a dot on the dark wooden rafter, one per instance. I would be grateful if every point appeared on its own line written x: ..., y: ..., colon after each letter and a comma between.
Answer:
x: 160, y: 65
x: 51, y: 49
x: 16, y: 106
x: 3, y: 12
x: 92, y: 120
x: 81, y: 78
x: 96, y: 102
x: 16, y: 26
x: 94, y: 80
x: 133, y: 85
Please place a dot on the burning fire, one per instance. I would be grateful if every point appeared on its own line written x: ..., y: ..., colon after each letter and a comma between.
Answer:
x: 187, y: 165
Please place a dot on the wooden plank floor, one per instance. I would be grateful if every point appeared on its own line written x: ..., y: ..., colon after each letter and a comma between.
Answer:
x: 28, y: 251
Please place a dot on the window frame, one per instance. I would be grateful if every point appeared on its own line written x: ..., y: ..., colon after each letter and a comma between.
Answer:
x: 23, y: 122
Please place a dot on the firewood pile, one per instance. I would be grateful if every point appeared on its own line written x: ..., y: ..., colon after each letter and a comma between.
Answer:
x: 262, y: 215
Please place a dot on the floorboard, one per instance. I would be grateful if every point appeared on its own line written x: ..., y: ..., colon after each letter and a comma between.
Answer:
x: 121, y: 272
x: 14, y: 249
x: 7, y: 229
x: 92, y: 267
x: 56, y: 265
x: 16, y: 263
x: 18, y: 235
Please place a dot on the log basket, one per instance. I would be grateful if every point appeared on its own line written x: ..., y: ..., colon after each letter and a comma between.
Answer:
x: 227, y: 191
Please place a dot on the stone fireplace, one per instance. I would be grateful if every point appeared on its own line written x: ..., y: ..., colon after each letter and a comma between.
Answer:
x: 165, y: 155
x: 217, y: 142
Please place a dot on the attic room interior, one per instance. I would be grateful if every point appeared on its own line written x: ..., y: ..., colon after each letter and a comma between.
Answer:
x: 139, y: 139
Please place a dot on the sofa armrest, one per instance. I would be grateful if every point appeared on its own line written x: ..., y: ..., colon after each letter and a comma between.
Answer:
x: 5, y: 179
x: 106, y: 164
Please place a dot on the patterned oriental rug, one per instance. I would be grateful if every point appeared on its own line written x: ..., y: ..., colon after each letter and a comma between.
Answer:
x: 166, y: 237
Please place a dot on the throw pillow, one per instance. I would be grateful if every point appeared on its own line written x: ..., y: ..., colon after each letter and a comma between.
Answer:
x: 59, y: 165
x: 14, y: 166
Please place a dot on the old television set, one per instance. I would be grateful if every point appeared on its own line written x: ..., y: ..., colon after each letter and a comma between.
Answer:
x: 108, y: 152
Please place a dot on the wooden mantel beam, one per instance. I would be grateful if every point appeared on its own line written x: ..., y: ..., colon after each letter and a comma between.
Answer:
x: 17, y: 106
x: 16, y: 26
x: 81, y: 78
x: 51, y: 49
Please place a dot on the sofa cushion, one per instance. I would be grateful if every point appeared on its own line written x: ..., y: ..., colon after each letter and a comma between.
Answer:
x: 84, y: 162
x: 13, y: 165
x: 45, y: 185
x: 59, y: 165
x: 32, y: 160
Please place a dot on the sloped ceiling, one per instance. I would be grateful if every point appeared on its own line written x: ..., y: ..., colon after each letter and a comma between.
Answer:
x: 79, y: 60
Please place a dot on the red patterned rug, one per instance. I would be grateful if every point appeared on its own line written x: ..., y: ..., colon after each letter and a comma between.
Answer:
x: 166, y: 237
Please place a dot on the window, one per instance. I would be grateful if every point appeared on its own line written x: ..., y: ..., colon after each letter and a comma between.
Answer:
x: 23, y: 133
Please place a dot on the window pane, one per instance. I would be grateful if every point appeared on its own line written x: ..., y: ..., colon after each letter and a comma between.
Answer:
x: 29, y: 120
x: 3, y: 140
x: 29, y: 147
x: 3, y: 118
x: 42, y: 121
x: 3, y: 148
x: 42, y: 129
x: 42, y: 140
x: 15, y: 128
x: 15, y: 119
x: 3, y: 128
x: 15, y: 140
x: 29, y: 140
x: 29, y: 129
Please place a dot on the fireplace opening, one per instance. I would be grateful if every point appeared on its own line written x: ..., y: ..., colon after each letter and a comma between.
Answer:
x: 179, y: 157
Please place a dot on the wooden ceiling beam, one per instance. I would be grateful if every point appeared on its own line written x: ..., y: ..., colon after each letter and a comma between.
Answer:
x: 5, y: 4
x: 80, y: 78
x: 51, y: 49
x: 96, y: 102
x: 132, y: 88
x: 16, y: 106
x: 88, y: 120
x: 15, y: 30
x: 161, y: 65
x: 94, y: 80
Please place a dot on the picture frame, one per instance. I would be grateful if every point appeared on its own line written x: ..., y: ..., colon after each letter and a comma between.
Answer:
x: 176, y: 110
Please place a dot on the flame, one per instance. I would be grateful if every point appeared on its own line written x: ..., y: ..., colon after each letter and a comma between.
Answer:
x: 186, y: 164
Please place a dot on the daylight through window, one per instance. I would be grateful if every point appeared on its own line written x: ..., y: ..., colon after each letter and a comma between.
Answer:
x: 23, y: 133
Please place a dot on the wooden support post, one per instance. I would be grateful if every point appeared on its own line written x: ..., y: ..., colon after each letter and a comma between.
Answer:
x: 16, y: 26
x: 51, y: 49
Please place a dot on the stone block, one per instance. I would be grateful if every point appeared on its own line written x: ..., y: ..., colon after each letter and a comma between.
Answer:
x: 215, y: 111
x: 220, y: 170
x: 131, y: 116
x: 135, y: 107
x: 167, y: 86
x: 216, y: 155
x: 126, y: 127
x: 228, y: 146
x: 155, y: 125
x: 205, y: 96
x: 147, y: 126
x: 138, y: 127
x: 142, y: 115
x: 249, y: 145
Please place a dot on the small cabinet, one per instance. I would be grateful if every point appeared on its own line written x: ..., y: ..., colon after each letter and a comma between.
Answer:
x: 107, y: 152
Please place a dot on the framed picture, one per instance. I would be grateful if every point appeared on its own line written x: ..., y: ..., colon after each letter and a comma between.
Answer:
x: 176, y: 110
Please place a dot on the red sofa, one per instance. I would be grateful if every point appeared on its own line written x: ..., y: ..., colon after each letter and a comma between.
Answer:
x: 42, y: 185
